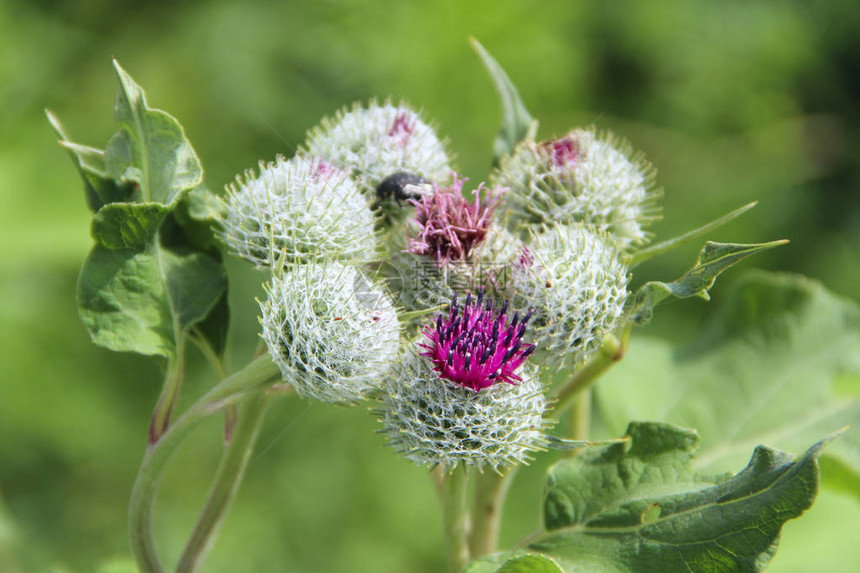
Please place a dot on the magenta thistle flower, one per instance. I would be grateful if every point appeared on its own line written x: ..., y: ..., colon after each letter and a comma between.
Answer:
x: 478, y: 348
x: 449, y: 226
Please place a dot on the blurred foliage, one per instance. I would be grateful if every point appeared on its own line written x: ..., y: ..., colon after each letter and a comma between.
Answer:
x: 732, y: 101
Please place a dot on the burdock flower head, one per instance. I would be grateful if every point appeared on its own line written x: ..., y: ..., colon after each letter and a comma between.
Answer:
x: 331, y: 331
x: 576, y: 280
x: 377, y: 141
x: 477, y: 347
x: 580, y: 177
x: 298, y: 210
x: 468, y: 397
x: 447, y: 226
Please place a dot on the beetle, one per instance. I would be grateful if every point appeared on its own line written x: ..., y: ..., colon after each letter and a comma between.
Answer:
x: 403, y: 186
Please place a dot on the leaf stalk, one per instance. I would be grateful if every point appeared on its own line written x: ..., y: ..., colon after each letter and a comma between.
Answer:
x: 255, y: 376
x: 226, y: 484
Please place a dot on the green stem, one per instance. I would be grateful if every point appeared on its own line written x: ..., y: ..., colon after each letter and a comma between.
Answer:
x: 216, y: 362
x: 455, y: 517
x: 491, y: 489
x: 579, y: 426
x: 611, y: 351
x: 226, y: 484
x: 169, y: 392
x: 254, y: 376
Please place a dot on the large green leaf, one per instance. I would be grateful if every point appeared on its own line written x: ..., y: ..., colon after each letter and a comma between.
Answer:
x: 150, y: 150
x: 762, y: 371
x: 639, y: 507
x: 154, y: 272
x: 142, y: 301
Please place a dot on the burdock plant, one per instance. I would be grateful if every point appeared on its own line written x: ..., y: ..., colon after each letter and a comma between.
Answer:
x: 510, y: 302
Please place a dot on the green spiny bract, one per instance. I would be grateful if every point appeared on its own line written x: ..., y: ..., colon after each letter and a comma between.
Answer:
x: 377, y: 141
x: 297, y: 211
x: 432, y: 421
x: 581, y: 177
x: 331, y: 331
x: 576, y: 281
x: 425, y: 284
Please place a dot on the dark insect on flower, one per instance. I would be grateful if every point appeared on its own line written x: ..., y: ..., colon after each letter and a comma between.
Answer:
x: 476, y: 346
x: 401, y: 185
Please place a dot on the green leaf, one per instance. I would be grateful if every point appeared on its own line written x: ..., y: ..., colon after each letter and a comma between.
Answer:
x: 190, y: 226
x: 150, y: 150
x: 213, y: 328
x: 203, y: 205
x: 639, y: 506
x: 517, y: 122
x: 197, y: 213
x: 142, y: 301
x: 762, y: 371
x: 677, y: 242
x: 154, y: 272
x: 127, y: 225
x: 713, y: 259
x: 504, y: 563
x: 99, y: 188
x: 654, y: 450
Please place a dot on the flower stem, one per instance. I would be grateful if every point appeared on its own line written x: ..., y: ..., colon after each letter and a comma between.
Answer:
x: 216, y: 362
x: 491, y: 489
x: 455, y: 517
x: 579, y: 426
x: 226, y: 483
x: 253, y: 377
x: 169, y: 393
x: 611, y: 351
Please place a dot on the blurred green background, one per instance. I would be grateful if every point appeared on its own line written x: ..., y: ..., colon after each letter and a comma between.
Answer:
x: 732, y: 101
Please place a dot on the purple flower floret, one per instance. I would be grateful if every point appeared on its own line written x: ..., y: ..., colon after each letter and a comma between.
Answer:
x: 563, y: 152
x: 402, y: 127
x: 477, y: 347
x: 449, y: 226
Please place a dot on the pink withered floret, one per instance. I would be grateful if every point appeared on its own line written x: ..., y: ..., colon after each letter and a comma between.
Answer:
x: 564, y: 152
x: 324, y: 170
x: 402, y: 127
x: 526, y: 259
x: 476, y: 346
x: 449, y: 226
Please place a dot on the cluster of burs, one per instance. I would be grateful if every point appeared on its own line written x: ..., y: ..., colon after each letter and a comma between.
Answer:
x: 367, y: 226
